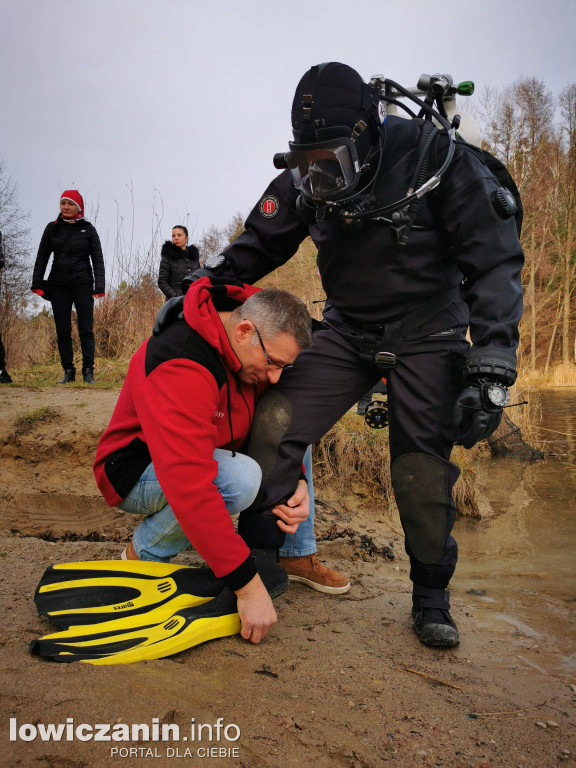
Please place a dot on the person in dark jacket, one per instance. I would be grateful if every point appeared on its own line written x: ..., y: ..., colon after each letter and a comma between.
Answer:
x: 177, y: 260
x: 409, y: 260
x: 76, y: 278
x: 5, y: 377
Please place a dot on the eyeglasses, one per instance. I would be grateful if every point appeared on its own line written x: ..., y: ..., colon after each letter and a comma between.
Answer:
x: 267, y: 356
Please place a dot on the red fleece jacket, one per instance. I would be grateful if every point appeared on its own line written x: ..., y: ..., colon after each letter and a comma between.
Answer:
x: 180, y: 413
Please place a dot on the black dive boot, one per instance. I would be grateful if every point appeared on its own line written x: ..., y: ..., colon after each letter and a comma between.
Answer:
x: 5, y: 377
x: 270, y: 571
x: 431, y: 616
x: 88, y: 374
x: 69, y: 376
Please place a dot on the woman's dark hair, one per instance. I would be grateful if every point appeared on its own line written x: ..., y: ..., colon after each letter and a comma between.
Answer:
x: 182, y: 227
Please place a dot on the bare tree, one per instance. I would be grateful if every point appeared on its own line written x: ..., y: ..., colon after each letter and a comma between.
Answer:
x: 567, y: 219
x: 234, y: 227
x: 211, y: 243
x: 16, y: 275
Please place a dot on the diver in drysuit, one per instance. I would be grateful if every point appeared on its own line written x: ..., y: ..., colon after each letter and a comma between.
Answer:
x: 403, y: 282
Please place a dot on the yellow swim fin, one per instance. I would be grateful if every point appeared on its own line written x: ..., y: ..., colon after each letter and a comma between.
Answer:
x: 152, y: 635
x: 92, y: 592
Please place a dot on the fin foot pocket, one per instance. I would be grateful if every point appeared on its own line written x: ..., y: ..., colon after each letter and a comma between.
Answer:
x: 71, y: 594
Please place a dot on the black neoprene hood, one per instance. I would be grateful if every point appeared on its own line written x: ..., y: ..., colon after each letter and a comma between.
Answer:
x: 338, y: 96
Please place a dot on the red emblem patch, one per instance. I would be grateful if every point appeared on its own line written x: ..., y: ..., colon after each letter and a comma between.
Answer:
x: 269, y: 206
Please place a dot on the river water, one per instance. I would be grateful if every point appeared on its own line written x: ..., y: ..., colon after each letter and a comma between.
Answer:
x: 517, y: 569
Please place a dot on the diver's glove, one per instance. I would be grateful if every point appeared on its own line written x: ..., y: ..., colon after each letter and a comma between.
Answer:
x: 216, y: 265
x: 191, y: 277
x: 169, y: 313
x: 478, y: 410
x: 218, y: 268
x: 475, y: 415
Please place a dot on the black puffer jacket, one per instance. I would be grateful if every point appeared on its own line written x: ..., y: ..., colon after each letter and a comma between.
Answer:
x: 175, y: 264
x: 77, y: 256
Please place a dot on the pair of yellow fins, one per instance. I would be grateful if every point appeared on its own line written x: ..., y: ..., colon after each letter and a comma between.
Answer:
x: 119, y: 612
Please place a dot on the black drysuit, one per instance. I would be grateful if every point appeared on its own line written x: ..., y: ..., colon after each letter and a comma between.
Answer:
x: 463, y: 266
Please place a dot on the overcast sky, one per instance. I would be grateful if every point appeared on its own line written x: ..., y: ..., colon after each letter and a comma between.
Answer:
x: 184, y: 102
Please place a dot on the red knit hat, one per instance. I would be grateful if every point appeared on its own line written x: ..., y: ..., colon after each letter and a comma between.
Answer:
x: 75, y: 197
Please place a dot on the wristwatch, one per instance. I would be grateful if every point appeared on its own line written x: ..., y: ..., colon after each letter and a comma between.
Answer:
x: 215, y: 261
x: 496, y: 395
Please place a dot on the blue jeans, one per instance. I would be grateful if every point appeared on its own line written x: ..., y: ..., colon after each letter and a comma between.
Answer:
x: 303, y: 542
x: 159, y: 537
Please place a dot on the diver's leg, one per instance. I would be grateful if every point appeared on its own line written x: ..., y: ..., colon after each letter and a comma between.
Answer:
x: 326, y: 381
x: 422, y: 389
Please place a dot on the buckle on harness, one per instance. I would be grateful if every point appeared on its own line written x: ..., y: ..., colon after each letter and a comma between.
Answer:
x: 385, y: 359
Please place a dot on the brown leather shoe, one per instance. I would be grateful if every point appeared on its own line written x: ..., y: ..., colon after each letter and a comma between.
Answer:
x: 309, y: 570
x: 129, y: 553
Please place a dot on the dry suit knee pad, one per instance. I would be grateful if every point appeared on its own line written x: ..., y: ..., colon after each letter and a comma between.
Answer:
x: 422, y: 488
x: 271, y: 420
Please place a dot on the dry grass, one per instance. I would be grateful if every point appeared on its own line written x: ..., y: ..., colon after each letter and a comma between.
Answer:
x: 561, y: 375
x: 26, y: 422
x: 353, y: 458
x: 123, y: 319
x: 107, y: 373
x: 300, y: 275
x: 526, y: 416
x: 351, y: 450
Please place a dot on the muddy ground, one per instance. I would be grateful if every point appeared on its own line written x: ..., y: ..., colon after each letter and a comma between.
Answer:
x: 338, y: 682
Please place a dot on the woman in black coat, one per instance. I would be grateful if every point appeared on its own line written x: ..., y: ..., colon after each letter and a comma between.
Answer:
x: 177, y: 260
x: 77, y: 277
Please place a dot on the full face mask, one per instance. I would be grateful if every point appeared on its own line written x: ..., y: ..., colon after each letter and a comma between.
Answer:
x: 335, y: 119
x: 338, y: 143
x: 324, y: 171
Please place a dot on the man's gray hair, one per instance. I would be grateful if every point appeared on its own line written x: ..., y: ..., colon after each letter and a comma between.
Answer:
x: 274, y: 311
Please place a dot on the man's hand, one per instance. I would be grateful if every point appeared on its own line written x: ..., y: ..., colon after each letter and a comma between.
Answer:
x: 256, y: 611
x: 295, y: 511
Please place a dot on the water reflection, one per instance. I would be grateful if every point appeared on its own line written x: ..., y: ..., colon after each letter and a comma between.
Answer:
x: 523, y: 560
